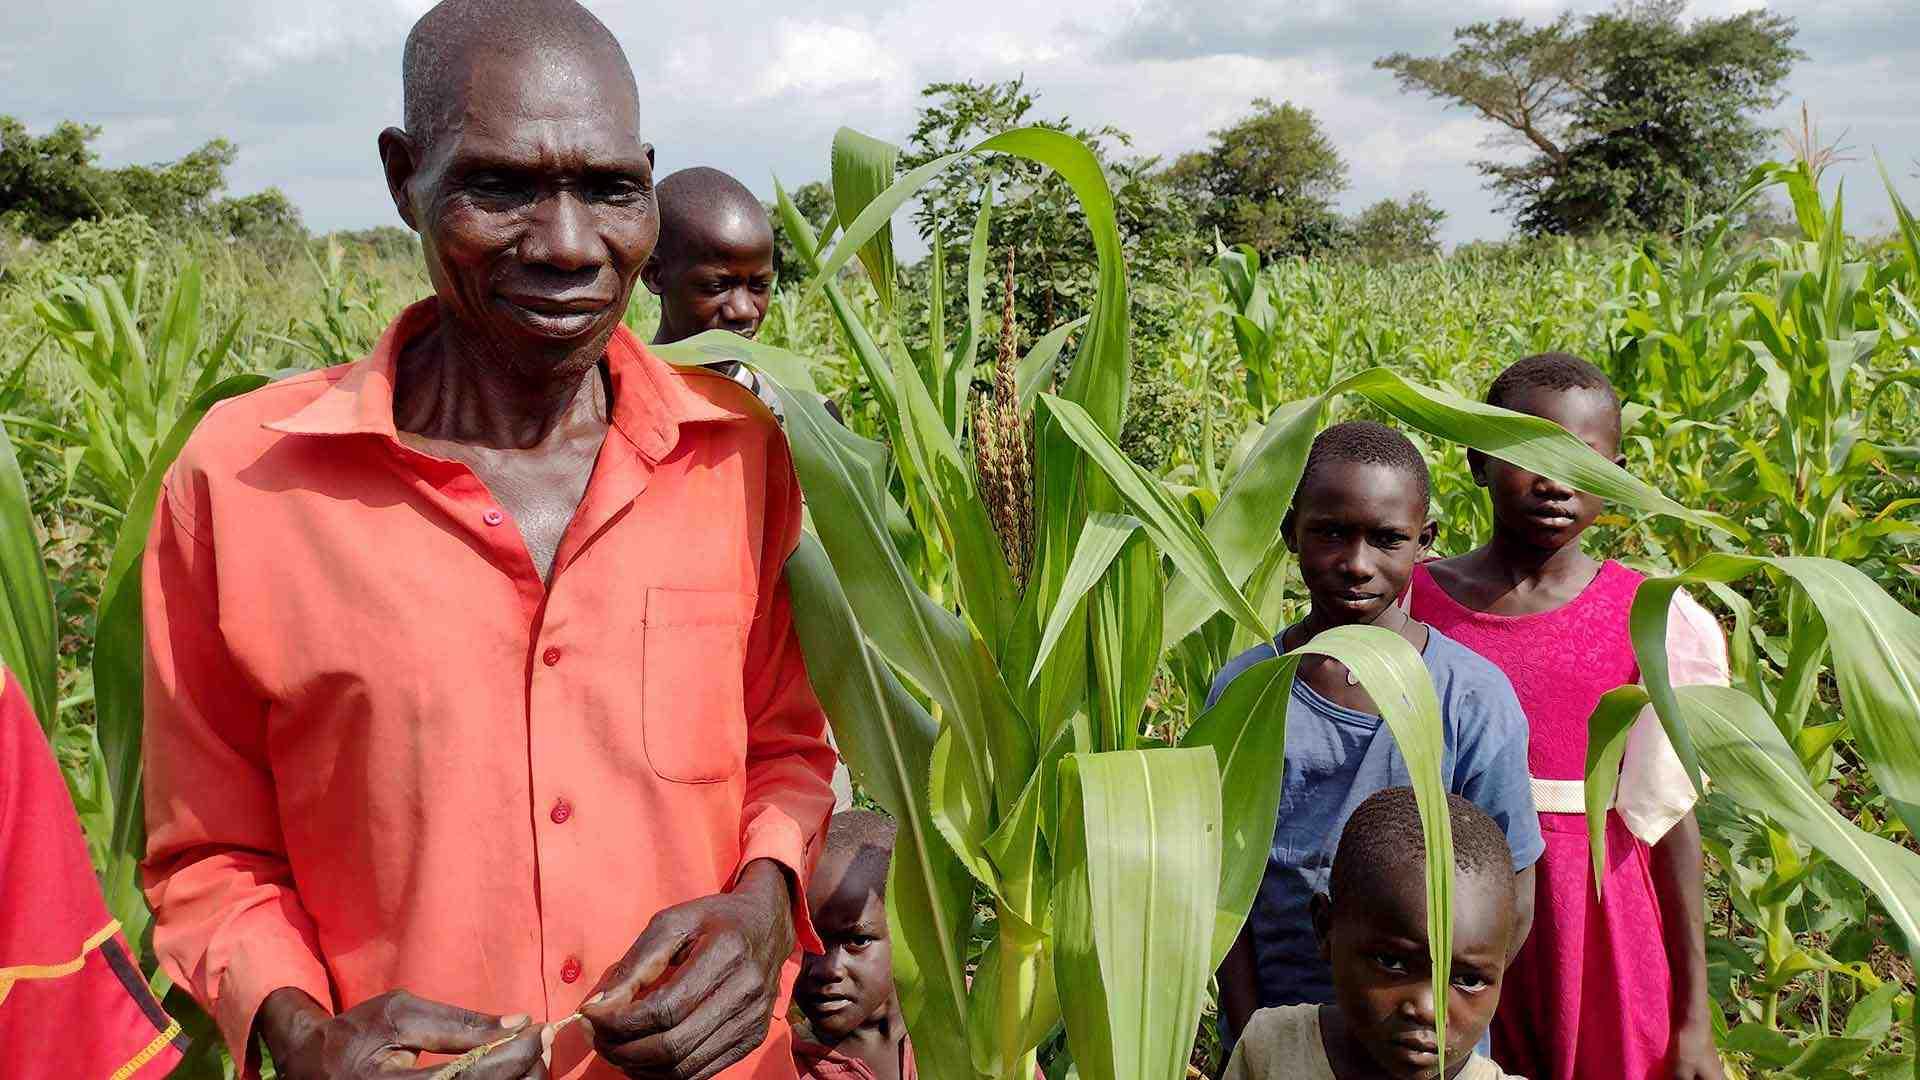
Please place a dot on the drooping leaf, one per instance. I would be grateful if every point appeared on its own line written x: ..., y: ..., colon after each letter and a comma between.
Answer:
x: 28, y: 643
x: 862, y: 169
x: 886, y: 738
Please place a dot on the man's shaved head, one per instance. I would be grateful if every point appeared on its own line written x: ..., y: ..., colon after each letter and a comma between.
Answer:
x: 440, y: 52
x: 699, y: 205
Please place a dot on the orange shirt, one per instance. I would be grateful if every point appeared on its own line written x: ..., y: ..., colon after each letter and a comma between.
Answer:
x: 381, y: 754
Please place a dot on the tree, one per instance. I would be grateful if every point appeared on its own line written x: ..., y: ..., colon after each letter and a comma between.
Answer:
x: 50, y: 181
x: 1388, y: 230
x: 1268, y: 180
x: 814, y: 200
x: 1630, y: 119
x: 1035, y: 214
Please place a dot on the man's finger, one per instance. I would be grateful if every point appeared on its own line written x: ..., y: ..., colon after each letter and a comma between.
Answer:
x: 726, y: 1014
x: 726, y: 1048
x: 446, y: 1029
x: 513, y: 1061
x: 649, y: 958
x: 668, y: 1005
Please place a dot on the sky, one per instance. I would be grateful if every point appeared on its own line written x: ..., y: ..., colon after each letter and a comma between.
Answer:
x: 758, y: 88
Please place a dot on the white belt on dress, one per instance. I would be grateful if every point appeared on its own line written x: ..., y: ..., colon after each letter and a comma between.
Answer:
x: 1561, y: 796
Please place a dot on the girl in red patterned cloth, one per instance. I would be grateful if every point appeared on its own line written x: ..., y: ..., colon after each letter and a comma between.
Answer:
x: 72, y: 1003
x: 1612, y: 987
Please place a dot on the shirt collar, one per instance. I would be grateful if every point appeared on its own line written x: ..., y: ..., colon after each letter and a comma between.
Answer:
x: 651, y: 398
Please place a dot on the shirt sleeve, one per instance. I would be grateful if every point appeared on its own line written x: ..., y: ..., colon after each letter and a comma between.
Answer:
x: 1491, y: 766
x: 228, y: 922
x: 1655, y: 791
x: 789, y: 793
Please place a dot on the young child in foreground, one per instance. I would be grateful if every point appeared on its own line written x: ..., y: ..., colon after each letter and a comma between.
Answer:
x: 1358, y: 525
x: 1372, y: 930
x: 1613, y: 987
x: 853, y: 1027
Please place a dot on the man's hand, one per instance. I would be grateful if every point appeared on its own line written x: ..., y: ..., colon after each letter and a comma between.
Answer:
x: 695, y: 993
x: 1694, y: 1056
x: 382, y: 1037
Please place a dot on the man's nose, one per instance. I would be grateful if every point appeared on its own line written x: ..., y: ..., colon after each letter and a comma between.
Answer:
x: 1417, y: 1006
x: 1356, y: 561
x: 562, y: 235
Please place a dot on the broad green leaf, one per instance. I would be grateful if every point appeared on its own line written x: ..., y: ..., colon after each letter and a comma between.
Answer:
x: 1245, y: 527
x: 1098, y: 382
x: 790, y: 369
x: 862, y: 169
x: 1123, y: 622
x: 886, y: 738
x: 1172, y: 530
x: 1752, y: 764
x: 1530, y: 442
x: 28, y: 644
x: 1138, y: 874
x: 1607, y: 730
x: 1100, y: 541
x: 1875, y: 652
x: 958, y: 383
x: 1036, y: 368
x: 1246, y: 729
x: 118, y: 657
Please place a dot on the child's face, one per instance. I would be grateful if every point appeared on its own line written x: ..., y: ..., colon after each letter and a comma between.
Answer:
x: 1377, y: 947
x: 725, y: 283
x: 1358, y: 529
x: 852, y: 982
x: 1545, y: 513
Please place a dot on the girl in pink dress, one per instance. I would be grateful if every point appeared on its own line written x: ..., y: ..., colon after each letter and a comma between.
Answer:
x: 1611, y: 987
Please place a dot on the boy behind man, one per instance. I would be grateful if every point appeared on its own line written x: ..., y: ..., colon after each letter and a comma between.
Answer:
x: 1358, y: 526
x: 854, y: 1029
x: 1372, y: 930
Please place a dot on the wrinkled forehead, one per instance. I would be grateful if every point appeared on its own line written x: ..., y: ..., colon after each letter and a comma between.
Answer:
x: 544, y: 102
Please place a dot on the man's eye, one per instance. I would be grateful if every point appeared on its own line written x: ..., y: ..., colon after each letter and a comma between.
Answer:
x: 1470, y: 982
x: 1390, y: 962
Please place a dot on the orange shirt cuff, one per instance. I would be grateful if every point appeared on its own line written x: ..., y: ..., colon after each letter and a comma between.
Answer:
x: 773, y: 835
x: 270, y: 962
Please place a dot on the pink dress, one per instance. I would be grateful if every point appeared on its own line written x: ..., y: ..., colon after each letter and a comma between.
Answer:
x: 1591, y: 993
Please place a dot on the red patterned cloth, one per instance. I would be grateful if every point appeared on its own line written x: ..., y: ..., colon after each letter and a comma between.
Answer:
x: 73, y: 1005
x: 817, y: 1062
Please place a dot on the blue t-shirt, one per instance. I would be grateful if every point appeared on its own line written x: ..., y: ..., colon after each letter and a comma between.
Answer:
x: 1335, y: 758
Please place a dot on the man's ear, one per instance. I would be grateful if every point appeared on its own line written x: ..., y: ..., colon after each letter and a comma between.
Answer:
x: 1320, y: 909
x: 650, y: 273
x: 400, y: 160
x: 647, y: 148
x: 1477, y: 465
x: 1286, y: 532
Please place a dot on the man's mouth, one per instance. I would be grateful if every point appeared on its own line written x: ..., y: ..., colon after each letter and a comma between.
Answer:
x: 556, y: 316
x: 1553, y: 517
x: 826, y: 1003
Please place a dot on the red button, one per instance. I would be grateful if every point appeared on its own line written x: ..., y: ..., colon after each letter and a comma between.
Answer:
x: 551, y: 656
x: 562, y: 810
x: 493, y: 517
x: 570, y: 971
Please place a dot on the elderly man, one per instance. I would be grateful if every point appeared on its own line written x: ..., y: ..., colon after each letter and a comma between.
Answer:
x: 473, y: 693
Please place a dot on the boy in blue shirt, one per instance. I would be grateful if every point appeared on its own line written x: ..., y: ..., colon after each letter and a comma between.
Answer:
x: 1358, y: 525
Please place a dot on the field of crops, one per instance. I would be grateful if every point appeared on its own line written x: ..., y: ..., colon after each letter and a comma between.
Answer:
x: 1773, y: 393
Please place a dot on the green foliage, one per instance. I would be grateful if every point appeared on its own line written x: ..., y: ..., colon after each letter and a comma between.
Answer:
x: 1395, y: 229
x: 1632, y: 118
x: 814, y: 201
x: 48, y: 182
x: 1771, y: 392
x: 1267, y: 180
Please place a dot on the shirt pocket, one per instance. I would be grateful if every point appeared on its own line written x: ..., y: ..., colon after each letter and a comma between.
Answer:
x: 692, y: 701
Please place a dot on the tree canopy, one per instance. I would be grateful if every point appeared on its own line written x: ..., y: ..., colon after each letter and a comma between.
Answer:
x: 1268, y: 180
x: 1626, y: 119
x: 50, y: 181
